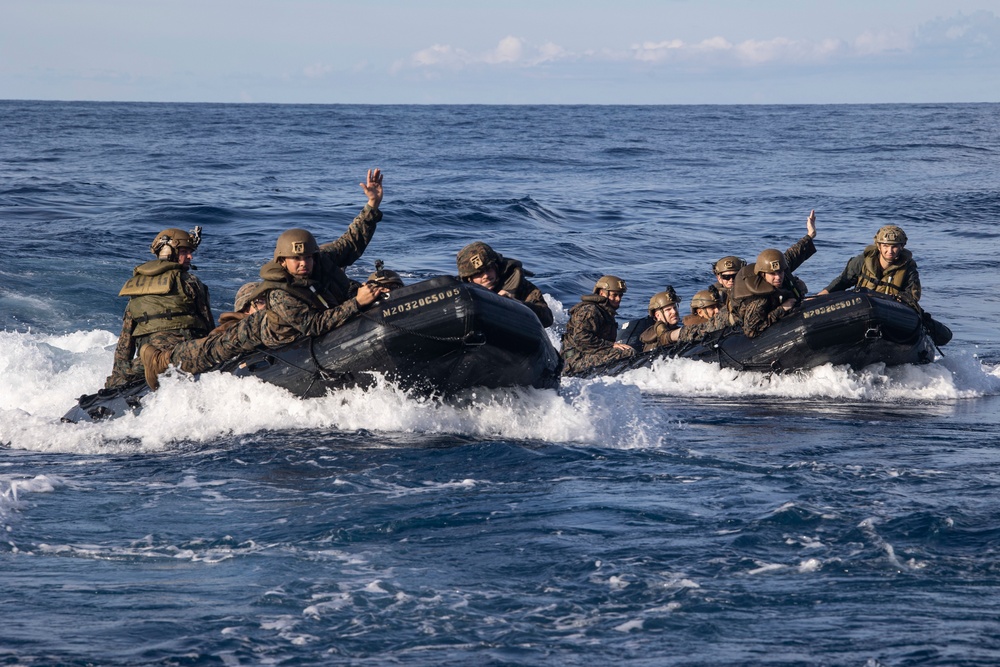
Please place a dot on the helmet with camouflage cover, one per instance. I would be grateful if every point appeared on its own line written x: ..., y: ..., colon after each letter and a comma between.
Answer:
x: 705, y: 299
x: 245, y: 295
x: 771, y: 261
x: 728, y: 264
x: 610, y: 283
x: 169, y: 241
x: 475, y: 258
x: 891, y: 235
x: 667, y: 297
x: 295, y: 242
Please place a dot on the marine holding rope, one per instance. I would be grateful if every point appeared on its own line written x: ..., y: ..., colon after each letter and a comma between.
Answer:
x: 167, y: 304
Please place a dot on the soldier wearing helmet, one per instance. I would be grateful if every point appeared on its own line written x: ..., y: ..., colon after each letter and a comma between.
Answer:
x: 590, y: 333
x: 478, y: 263
x: 309, y: 292
x: 238, y: 332
x: 704, y: 306
x: 767, y: 291
x: 885, y: 266
x: 167, y: 304
x: 664, y: 319
x: 725, y: 271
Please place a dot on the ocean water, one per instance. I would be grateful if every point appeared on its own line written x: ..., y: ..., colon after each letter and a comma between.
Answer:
x: 679, y: 515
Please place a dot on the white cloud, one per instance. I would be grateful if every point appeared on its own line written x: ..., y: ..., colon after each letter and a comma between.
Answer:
x: 317, y: 70
x: 510, y: 50
x: 977, y: 33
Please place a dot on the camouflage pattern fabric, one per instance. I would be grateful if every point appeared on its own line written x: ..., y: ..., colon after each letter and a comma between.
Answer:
x: 656, y: 336
x: 127, y: 370
x: 236, y: 334
x: 290, y: 317
x: 511, y: 277
x: 590, y: 336
x: 126, y: 366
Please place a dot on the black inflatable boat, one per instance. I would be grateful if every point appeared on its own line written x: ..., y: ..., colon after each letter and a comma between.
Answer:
x: 843, y: 328
x: 437, y: 336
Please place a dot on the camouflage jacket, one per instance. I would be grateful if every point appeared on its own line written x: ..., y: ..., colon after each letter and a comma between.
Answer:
x: 756, y: 303
x: 512, y: 278
x: 657, y: 336
x: 324, y: 301
x: 590, y: 335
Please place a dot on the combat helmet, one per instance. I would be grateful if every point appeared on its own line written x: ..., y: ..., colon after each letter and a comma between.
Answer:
x: 295, y: 242
x: 667, y: 297
x: 728, y: 263
x: 770, y: 261
x: 383, y: 277
x: 891, y: 235
x: 169, y: 241
x: 475, y: 258
x: 705, y: 299
x: 246, y: 294
x: 610, y: 283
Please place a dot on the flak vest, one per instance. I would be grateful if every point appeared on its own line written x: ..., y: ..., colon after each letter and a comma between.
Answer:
x: 892, y: 278
x: 318, y: 296
x: 158, y: 301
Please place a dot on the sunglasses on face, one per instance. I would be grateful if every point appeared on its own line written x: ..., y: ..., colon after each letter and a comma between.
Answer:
x: 727, y: 276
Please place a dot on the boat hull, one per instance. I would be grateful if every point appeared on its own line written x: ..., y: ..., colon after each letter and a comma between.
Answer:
x: 438, y: 336
x: 844, y: 328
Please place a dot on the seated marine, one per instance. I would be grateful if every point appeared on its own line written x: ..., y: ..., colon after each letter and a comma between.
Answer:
x: 478, y: 263
x: 886, y: 267
x: 665, y: 329
x: 590, y: 333
x: 167, y: 304
x: 767, y: 291
x: 725, y: 272
x: 704, y: 306
x: 238, y: 332
x: 310, y: 294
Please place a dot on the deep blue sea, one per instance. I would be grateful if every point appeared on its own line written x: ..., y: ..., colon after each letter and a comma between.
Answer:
x: 678, y: 515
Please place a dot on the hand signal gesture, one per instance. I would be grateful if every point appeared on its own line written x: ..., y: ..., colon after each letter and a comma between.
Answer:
x: 373, y: 187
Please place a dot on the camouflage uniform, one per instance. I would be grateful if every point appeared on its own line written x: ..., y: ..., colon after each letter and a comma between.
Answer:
x: 511, y: 277
x: 756, y: 303
x: 696, y: 331
x: 590, y: 335
x: 127, y: 367
x: 324, y: 301
x: 657, y: 336
x: 865, y: 271
x: 237, y: 333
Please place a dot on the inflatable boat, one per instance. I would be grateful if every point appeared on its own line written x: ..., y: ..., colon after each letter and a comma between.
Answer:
x: 437, y: 336
x: 844, y: 328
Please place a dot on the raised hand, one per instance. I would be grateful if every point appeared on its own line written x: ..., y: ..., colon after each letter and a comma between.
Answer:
x: 811, y: 224
x: 373, y: 187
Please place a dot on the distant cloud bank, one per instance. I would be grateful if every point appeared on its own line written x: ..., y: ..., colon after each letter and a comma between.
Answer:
x: 959, y: 37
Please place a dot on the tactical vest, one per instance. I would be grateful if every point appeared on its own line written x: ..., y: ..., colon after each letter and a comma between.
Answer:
x: 275, y: 277
x: 892, y: 278
x: 158, y: 300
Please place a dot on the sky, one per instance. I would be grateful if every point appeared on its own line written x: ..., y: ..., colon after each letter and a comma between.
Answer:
x: 501, y: 52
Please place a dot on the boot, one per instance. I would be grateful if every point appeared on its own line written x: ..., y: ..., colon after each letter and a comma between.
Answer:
x: 154, y: 362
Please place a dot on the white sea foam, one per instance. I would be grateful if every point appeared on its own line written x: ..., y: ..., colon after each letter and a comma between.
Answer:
x: 14, y: 488
x: 41, y: 377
